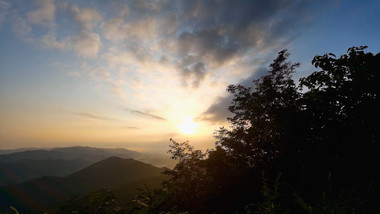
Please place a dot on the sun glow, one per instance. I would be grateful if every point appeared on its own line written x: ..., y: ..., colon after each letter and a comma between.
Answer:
x: 188, y: 127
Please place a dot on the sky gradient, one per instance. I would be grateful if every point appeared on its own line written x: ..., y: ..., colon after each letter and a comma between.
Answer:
x: 134, y: 74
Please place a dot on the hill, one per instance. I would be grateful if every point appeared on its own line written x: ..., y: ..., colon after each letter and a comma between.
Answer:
x: 111, y: 173
x: 17, y: 166
x: 26, y: 169
x: 69, y: 153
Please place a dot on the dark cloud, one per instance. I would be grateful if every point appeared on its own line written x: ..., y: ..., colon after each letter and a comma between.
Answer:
x: 149, y: 6
x: 214, y: 32
x: 201, y: 37
x: 145, y: 114
x: 218, y: 112
x: 192, y: 69
x: 211, y: 43
x: 247, y: 82
x: 94, y: 116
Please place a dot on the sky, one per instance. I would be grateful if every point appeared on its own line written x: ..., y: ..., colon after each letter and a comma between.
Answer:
x: 133, y: 74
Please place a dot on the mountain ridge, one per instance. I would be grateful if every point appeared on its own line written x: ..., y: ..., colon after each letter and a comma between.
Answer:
x: 38, y: 194
x: 21, y: 166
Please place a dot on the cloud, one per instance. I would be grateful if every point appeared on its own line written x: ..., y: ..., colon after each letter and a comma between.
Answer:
x: 94, y: 116
x: 145, y: 114
x: 233, y: 30
x: 88, y: 18
x: 167, y: 39
x: 132, y: 127
x: 45, y: 15
x: 212, y: 43
x: 117, y: 90
x: 115, y: 57
x: 99, y: 72
x: 20, y: 27
x: 150, y: 6
x: 199, y: 44
x: 123, y: 10
x: 115, y: 29
x: 218, y: 112
x: 73, y: 74
x: 50, y: 41
x: 86, y: 44
x: 144, y: 30
x: 192, y: 69
x: 4, y: 10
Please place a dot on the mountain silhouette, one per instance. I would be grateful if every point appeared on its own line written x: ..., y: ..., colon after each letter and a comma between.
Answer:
x: 111, y: 173
x: 21, y: 166
x: 26, y: 169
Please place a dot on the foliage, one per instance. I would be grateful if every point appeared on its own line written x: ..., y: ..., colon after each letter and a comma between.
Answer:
x: 96, y: 202
x: 151, y: 201
x: 330, y: 202
x: 261, y: 115
x: 13, y: 209
x: 189, y: 178
x: 271, y: 196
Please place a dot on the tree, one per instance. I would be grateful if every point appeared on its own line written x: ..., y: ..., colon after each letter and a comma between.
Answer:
x: 95, y: 202
x: 327, y: 125
x: 189, y: 178
x: 342, y: 107
x: 262, y: 116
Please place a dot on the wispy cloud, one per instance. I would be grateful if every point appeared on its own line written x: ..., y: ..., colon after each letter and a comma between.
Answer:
x: 145, y: 114
x: 132, y: 127
x: 95, y: 116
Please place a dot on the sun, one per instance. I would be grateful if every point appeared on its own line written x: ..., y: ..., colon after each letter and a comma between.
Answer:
x: 188, y: 127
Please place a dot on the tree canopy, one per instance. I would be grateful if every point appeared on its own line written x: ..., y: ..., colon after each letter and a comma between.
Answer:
x: 302, y: 139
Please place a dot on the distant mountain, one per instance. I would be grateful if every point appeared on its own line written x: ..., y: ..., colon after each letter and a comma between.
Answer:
x: 110, y: 173
x: 115, y: 171
x: 69, y: 153
x: 8, y: 151
x: 86, y: 153
x: 21, y: 166
x: 26, y: 169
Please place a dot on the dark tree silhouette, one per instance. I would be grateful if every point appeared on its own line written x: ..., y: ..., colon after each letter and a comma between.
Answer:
x: 189, y: 178
x: 320, y: 136
x: 261, y: 116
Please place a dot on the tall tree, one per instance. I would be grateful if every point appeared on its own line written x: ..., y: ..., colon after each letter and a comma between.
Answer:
x: 262, y: 115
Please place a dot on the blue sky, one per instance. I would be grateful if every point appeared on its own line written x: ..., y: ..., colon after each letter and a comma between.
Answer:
x: 135, y: 73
